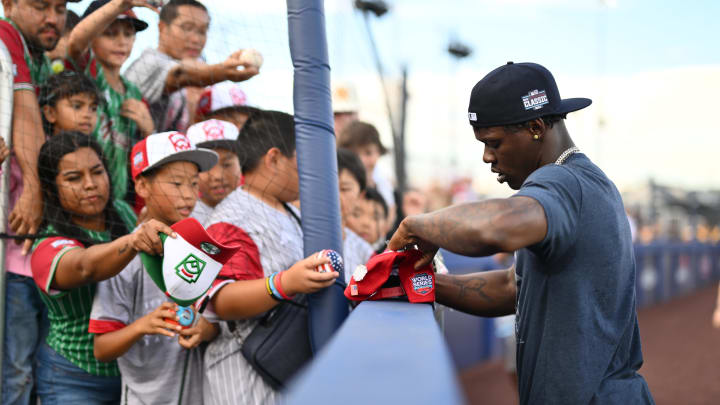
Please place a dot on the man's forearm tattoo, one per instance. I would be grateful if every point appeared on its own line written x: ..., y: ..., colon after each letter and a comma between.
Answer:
x: 471, y: 287
x: 123, y: 249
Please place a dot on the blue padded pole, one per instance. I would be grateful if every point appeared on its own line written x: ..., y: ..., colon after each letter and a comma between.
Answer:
x: 316, y: 155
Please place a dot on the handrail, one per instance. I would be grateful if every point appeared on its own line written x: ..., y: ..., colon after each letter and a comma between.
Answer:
x: 386, y: 352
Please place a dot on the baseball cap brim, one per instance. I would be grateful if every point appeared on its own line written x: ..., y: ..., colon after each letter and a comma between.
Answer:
x: 205, y: 159
x: 228, y: 144
x: 567, y: 105
x: 138, y: 24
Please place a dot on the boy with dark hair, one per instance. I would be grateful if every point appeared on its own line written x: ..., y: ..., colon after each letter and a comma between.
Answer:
x: 258, y: 217
x: 364, y: 139
x: 351, y: 179
x: 98, y: 46
x: 129, y: 310
x: 370, y: 218
x: 169, y: 76
x: 69, y: 102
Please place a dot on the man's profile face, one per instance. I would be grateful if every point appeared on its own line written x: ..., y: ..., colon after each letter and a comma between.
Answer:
x: 513, y: 155
x: 40, y: 21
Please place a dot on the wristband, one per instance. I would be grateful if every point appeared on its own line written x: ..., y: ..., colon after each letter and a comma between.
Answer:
x: 273, y: 287
x: 267, y: 287
x: 278, y: 285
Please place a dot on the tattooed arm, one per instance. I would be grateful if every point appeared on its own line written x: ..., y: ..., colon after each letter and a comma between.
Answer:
x: 82, y: 266
x: 474, y: 229
x: 490, y: 293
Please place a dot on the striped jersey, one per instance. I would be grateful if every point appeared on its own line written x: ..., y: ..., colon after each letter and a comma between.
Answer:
x: 356, y: 251
x: 29, y: 72
x: 115, y: 134
x: 272, y: 241
x: 69, y: 311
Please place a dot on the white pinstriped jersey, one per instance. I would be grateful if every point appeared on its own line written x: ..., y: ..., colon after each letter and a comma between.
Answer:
x: 274, y: 236
x: 355, y: 251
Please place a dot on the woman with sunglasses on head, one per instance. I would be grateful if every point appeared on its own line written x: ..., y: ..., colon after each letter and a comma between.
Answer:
x: 84, y: 240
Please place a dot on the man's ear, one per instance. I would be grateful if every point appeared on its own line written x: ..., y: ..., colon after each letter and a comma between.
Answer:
x: 142, y: 187
x: 537, y: 129
x: 49, y: 113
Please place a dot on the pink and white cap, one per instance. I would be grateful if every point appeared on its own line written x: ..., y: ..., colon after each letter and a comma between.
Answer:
x: 165, y: 147
x: 214, y: 134
x: 221, y: 95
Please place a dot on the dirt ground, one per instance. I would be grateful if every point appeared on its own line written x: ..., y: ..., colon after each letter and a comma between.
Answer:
x: 681, y: 351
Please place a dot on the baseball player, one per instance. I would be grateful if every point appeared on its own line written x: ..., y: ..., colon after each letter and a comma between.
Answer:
x: 572, y: 287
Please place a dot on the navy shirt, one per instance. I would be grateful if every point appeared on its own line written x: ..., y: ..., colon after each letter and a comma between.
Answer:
x: 576, y: 322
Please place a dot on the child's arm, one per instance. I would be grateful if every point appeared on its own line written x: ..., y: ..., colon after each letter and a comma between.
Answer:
x: 78, y: 266
x: 111, y: 345
x: 203, y: 331
x: 93, y: 25
x: 247, y: 298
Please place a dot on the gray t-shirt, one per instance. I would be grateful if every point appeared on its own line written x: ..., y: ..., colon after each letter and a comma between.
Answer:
x: 355, y: 251
x: 576, y: 322
x: 152, y: 370
x: 149, y: 73
x: 202, y: 212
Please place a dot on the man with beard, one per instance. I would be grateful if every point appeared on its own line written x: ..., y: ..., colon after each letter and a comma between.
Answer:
x: 30, y: 28
x: 572, y: 287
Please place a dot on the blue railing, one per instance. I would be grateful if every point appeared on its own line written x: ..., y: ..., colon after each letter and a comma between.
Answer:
x: 386, y: 352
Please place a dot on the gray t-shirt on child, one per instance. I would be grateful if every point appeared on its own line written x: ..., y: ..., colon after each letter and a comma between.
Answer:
x: 149, y: 72
x: 152, y: 370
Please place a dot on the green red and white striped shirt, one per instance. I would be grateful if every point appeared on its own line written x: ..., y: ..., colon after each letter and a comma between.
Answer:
x: 115, y: 134
x: 69, y: 311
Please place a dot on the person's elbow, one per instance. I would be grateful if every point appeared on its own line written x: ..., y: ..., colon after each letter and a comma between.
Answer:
x: 100, y: 351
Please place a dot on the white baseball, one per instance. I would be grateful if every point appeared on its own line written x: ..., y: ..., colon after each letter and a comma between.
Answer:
x: 251, y: 57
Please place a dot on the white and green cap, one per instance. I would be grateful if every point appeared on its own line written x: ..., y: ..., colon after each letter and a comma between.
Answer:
x: 190, y: 262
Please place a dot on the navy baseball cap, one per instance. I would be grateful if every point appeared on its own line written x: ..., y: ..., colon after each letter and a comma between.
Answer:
x: 128, y: 15
x: 516, y: 93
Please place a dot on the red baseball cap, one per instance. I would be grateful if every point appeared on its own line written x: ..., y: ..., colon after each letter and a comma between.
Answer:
x: 367, y: 282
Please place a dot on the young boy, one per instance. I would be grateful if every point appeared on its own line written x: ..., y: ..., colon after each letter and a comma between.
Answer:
x: 98, y: 46
x: 69, y: 102
x: 258, y: 217
x: 352, y: 184
x: 370, y: 219
x: 224, y: 177
x: 128, y: 310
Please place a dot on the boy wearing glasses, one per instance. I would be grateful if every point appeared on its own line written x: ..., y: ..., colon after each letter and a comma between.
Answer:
x: 171, y: 77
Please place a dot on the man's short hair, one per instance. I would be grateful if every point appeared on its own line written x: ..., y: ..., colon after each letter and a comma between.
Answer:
x: 263, y: 131
x: 349, y: 160
x: 549, y: 120
x: 358, y: 134
x: 169, y: 12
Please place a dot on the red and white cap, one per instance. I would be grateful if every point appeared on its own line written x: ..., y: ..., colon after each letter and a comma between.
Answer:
x: 214, y: 134
x: 368, y: 282
x: 165, y: 147
x: 220, y: 95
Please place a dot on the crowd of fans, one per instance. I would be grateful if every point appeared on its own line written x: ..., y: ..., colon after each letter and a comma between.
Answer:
x: 103, y: 163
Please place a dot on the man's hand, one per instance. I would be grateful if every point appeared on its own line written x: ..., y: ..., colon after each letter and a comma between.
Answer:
x: 26, y: 216
x: 137, y: 111
x: 203, y: 331
x: 146, y: 237
x: 404, y: 237
x: 303, y: 278
x: 231, y: 65
x: 154, y: 323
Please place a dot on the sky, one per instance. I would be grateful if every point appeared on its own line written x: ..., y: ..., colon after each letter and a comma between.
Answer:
x: 652, y: 69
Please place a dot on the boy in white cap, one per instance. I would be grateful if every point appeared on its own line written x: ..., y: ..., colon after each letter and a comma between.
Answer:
x: 225, y: 176
x: 129, y: 311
